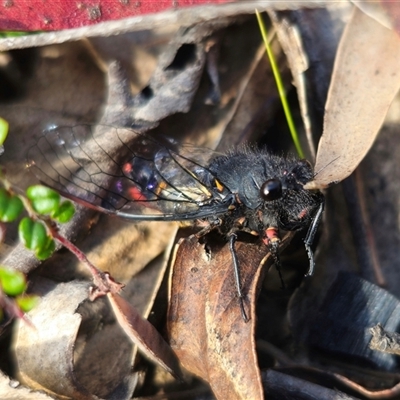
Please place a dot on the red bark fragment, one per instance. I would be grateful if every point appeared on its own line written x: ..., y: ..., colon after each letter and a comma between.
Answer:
x: 48, y: 15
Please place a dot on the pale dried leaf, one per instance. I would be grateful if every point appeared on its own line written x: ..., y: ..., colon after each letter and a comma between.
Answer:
x: 386, y: 12
x: 365, y: 80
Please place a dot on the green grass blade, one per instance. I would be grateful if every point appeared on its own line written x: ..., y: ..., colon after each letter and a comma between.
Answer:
x: 279, y: 84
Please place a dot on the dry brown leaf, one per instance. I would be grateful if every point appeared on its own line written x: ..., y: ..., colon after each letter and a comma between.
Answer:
x: 144, y: 335
x: 205, y: 324
x: 364, y: 83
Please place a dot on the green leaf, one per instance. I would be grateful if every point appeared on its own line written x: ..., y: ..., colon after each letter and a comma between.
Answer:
x: 10, y: 206
x: 3, y: 199
x: 64, y: 212
x: 32, y: 234
x: 3, y: 130
x: 46, y: 251
x: 27, y: 302
x: 13, y: 282
x: 25, y: 228
x: 44, y: 200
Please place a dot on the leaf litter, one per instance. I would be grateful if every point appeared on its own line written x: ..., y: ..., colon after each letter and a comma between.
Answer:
x: 232, y: 384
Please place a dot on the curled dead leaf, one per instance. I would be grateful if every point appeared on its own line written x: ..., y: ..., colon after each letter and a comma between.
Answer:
x: 69, y: 353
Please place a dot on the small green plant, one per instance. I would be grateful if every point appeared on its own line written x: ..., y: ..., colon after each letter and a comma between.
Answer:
x: 13, y: 298
x: 36, y: 231
x: 44, y: 207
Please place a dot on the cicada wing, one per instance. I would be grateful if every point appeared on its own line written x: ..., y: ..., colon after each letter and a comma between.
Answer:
x: 73, y: 161
x: 123, y: 172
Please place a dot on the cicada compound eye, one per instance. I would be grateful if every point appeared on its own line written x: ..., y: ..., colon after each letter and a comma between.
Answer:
x: 271, y: 189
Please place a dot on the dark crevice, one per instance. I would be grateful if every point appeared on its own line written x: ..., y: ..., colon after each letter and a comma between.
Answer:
x: 185, y: 56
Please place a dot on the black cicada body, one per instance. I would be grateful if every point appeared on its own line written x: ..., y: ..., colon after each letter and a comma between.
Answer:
x: 119, y: 171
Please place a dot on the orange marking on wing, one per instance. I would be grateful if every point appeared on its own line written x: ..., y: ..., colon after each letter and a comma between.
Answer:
x: 220, y: 187
x: 160, y: 188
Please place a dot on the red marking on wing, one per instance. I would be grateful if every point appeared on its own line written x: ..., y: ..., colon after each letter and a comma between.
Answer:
x: 135, y: 194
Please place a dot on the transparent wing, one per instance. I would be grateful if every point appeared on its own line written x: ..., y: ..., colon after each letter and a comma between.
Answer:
x: 118, y: 170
